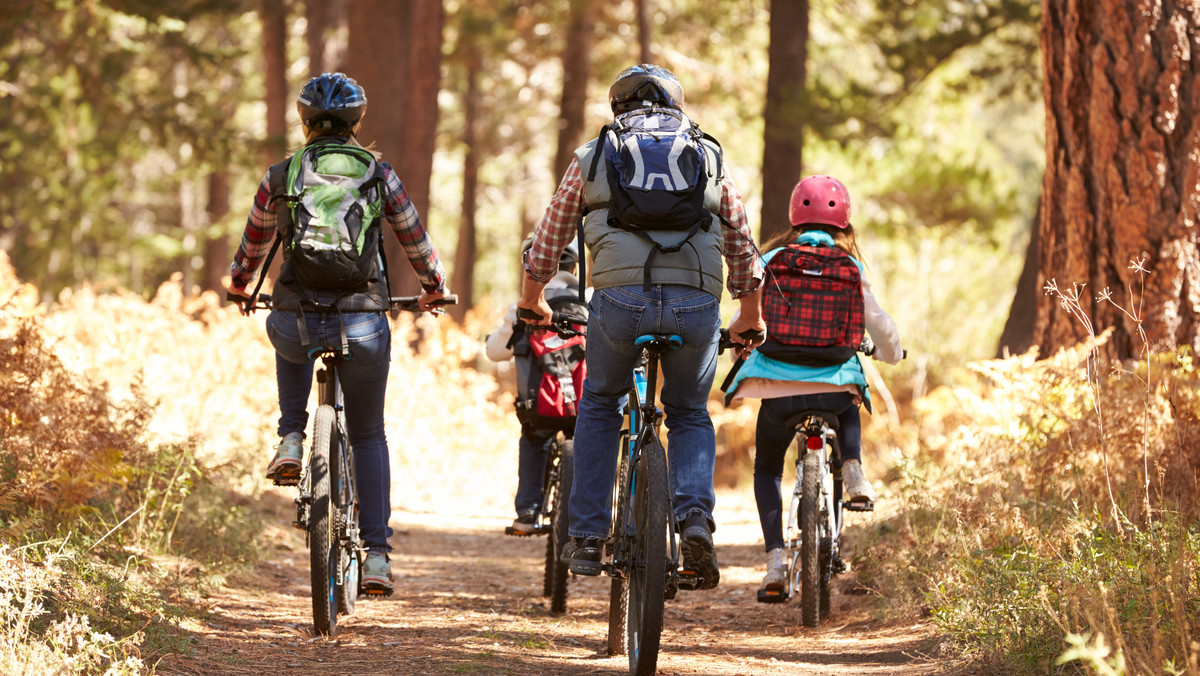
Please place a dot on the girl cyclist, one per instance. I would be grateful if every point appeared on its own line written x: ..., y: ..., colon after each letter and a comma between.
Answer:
x: 331, y: 107
x: 820, y: 217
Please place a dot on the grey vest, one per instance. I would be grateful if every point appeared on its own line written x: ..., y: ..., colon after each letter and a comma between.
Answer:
x: 620, y: 256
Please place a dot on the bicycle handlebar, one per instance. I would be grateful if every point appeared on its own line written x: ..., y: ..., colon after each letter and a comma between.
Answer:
x: 563, y: 325
x: 726, y: 342
x: 408, y: 303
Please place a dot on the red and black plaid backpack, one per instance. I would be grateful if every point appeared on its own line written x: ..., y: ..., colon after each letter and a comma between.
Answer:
x: 813, y: 306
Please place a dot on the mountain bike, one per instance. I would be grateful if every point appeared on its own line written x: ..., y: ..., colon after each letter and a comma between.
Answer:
x: 812, y: 534
x: 552, y: 519
x: 327, y: 507
x: 643, y: 546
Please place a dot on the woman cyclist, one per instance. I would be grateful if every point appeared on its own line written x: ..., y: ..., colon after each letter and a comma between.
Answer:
x: 331, y: 108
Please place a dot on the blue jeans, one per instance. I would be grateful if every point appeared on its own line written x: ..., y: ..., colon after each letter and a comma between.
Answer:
x: 772, y: 438
x: 364, y: 381
x: 616, y: 316
x: 531, y: 468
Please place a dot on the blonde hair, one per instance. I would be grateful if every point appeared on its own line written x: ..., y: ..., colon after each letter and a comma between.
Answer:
x: 843, y: 238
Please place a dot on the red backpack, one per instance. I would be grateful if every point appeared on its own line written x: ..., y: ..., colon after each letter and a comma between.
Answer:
x: 550, y: 369
x: 812, y: 305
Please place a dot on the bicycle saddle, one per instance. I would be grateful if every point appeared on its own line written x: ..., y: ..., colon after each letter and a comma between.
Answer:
x: 659, y: 340
x: 798, y: 419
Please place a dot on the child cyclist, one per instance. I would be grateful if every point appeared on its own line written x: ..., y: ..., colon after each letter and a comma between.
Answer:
x: 820, y: 217
x: 536, y: 430
x: 306, y: 315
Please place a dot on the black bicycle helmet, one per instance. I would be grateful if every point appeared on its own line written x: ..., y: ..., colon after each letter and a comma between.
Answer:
x: 642, y: 83
x: 331, y: 100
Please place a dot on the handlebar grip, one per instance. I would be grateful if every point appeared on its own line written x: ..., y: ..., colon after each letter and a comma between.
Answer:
x: 526, y: 313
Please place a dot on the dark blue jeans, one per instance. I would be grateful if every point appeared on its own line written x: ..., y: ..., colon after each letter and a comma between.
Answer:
x: 772, y: 438
x: 364, y: 382
x: 531, y: 468
x: 616, y: 316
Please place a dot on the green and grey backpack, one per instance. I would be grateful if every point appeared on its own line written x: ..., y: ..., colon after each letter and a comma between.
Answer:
x: 334, y: 194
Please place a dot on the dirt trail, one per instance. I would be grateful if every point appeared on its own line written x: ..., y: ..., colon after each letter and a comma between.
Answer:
x: 468, y: 601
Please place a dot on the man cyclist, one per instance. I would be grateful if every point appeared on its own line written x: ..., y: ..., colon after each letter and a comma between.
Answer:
x: 680, y: 295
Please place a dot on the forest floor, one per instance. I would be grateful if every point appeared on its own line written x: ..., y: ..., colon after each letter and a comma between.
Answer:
x: 468, y: 601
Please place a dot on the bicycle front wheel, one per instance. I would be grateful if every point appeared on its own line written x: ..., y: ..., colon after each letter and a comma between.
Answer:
x: 556, y: 567
x: 322, y: 537
x: 648, y: 562
x: 810, y: 538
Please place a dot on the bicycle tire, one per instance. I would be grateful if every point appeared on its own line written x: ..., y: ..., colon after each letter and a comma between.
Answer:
x: 349, y: 570
x: 825, y: 561
x: 322, y: 540
x: 560, y: 521
x: 645, y: 592
x: 810, y: 538
x: 616, y: 590
x: 549, y: 507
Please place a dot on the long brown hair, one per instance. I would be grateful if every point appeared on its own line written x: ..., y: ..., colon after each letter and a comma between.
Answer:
x: 843, y: 238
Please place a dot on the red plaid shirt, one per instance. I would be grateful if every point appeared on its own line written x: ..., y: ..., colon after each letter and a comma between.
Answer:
x: 557, y: 229
x: 398, y: 210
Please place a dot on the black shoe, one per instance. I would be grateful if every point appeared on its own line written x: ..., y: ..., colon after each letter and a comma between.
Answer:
x: 583, y: 556
x: 525, y: 523
x: 699, y: 556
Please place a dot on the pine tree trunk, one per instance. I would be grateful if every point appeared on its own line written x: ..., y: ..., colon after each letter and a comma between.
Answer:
x: 464, y: 256
x: 382, y: 69
x: 577, y: 67
x: 784, y: 112
x: 217, y: 252
x: 1122, y: 176
x: 316, y: 13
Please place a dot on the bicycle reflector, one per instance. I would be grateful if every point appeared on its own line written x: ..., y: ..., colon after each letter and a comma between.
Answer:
x: 815, y: 443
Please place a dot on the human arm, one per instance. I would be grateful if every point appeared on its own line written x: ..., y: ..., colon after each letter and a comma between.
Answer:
x: 256, y: 240
x: 550, y: 238
x: 741, y: 255
x: 496, y: 345
x: 881, y: 328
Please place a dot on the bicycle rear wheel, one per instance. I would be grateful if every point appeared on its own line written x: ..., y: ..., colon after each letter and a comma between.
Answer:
x: 349, y: 570
x: 617, y: 590
x: 810, y: 538
x: 322, y: 538
x: 648, y: 563
x: 559, y: 520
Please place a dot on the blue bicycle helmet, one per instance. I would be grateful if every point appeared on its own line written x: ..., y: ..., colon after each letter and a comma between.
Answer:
x: 642, y: 83
x: 331, y: 100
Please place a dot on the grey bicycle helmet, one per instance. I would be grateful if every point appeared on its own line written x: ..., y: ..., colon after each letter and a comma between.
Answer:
x: 570, y: 255
x: 642, y: 83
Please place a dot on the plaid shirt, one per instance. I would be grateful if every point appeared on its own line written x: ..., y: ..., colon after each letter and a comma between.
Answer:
x: 557, y: 229
x: 398, y: 210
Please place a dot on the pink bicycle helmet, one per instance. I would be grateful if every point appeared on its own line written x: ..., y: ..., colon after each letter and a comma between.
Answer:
x: 820, y: 199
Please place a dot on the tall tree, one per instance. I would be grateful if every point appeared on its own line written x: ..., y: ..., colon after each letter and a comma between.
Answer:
x: 783, y: 115
x: 577, y: 68
x: 1122, y: 176
x: 463, y: 282
x: 274, y: 20
x: 317, y: 16
x: 644, y: 31
x: 379, y: 27
x: 422, y: 79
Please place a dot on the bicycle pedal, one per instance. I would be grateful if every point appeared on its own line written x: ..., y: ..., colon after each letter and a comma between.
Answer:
x: 540, y: 530
x: 378, y: 592
x: 772, y: 596
x: 299, y: 526
x: 689, y: 580
x: 859, y: 506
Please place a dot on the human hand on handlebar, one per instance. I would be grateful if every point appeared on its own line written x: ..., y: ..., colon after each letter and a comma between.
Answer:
x: 748, y: 334
x: 429, y: 302
x: 240, y: 297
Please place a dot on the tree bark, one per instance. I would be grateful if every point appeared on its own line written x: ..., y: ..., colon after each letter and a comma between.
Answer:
x: 422, y: 79
x: 379, y: 62
x: 783, y: 115
x: 577, y: 68
x: 316, y: 13
x: 645, y: 31
x: 463, y: 281
x: 1122, y: 176
x: 217, y: 252
x: 274, y: 18
x: 1017, y: 336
